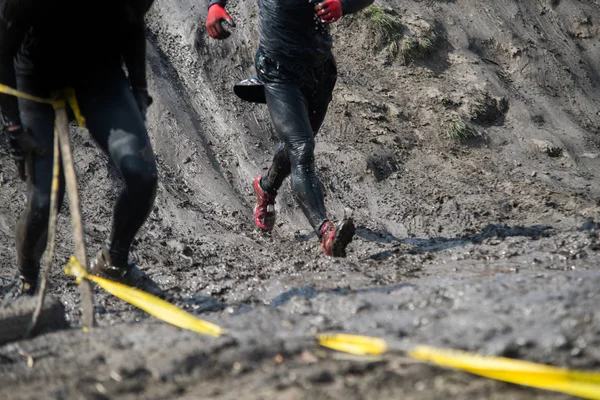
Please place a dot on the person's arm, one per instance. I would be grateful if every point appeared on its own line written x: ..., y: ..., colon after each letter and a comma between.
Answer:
x: 15, y: 17
x: 222, y: 3
x: 353, y: 6
x: 15, y: 20
x: 332, y: 10
x: 134, y: 55
x: 216, y: 15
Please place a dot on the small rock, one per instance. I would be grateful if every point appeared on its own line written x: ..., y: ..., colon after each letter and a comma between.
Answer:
x: 322, y: 377
x: 308, y: 357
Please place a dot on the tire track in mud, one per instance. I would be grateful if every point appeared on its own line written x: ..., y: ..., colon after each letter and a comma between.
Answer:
x: 186, y: 122
x: 173, y: 93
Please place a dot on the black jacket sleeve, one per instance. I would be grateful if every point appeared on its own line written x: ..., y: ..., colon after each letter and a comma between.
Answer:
x: 221, y: 2
x: 134, y: 43
x: 352, y: 6
x: 15, y: 20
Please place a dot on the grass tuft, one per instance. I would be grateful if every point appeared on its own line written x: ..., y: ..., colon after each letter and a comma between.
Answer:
x: 387, y: 27
x: 459, y: 131
x: 392, y: 36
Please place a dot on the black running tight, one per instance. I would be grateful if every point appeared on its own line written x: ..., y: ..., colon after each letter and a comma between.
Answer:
x: 114, y: 121
x: 297, y: 98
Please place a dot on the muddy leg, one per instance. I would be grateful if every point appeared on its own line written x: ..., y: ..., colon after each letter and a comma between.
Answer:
x: 32, y: 227
x: 279, y: 170
x: 290, y: 116
x: 115, y: 122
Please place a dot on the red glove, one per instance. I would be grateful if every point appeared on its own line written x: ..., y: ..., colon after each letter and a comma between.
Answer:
x: 329, y: 10
x: 216, y: 15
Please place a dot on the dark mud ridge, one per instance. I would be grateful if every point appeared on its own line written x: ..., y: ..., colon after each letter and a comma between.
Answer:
x: 471, y: 167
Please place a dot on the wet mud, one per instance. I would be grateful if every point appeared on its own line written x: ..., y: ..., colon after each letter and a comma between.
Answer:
x: 489, y: 245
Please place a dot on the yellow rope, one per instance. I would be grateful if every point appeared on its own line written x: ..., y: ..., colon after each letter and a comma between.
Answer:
x: 69, y: 93
x: 147, y: 302
x: 585, y: 384
x: 59, y: 105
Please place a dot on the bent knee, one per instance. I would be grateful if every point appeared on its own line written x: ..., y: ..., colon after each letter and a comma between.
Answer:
x: 139, y: 173
x: 39, y: 206
x: 302, y: 152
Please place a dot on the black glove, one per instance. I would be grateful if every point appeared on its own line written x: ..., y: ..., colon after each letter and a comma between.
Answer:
x: 143, y: 100
x: 20, y: 145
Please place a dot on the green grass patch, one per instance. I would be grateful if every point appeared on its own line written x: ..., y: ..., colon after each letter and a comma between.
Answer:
x: 391, y: 35
x: 459, y: 131
x: 387, y: 27
x: 417, y: 47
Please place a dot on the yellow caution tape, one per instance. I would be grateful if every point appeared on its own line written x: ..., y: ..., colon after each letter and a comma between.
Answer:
x: 17, y: 93
x: 55, y: 103
x: 151, y: 304
x: 72, y: 99
x: 579, y: 383
x: 353, y: 344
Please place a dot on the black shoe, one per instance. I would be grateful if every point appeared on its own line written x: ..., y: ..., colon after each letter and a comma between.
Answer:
x: 17, y: 287
x: 129, y: 274
x: 251, y: 89
x: 28, y: 287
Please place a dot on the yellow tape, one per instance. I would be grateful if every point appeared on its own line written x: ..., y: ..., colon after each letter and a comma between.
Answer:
x: 55, y: 103
x: 17, y: 93
x: 579, y: 383
x: 353, y: 344
x: 72, y: 99
x: 151, y: 304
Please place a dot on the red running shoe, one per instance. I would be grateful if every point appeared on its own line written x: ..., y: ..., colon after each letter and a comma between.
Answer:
x: 335, y: 238
x: 264, y: 211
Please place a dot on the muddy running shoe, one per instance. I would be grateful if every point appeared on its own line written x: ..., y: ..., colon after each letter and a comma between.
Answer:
x: 264, y: 211
x: 129, y: 275
x: 28, y: 288
x: 335, y: 238
x: 17, y: 287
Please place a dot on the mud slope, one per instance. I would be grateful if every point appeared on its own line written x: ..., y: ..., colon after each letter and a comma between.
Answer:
x: 488, y: 245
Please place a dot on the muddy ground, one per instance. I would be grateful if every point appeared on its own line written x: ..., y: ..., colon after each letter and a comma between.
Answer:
x: 488, y: 245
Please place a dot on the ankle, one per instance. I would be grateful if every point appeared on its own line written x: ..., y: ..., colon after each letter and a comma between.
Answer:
x: 29, y: 275
x: 324, y: 227
x: 266, y: 188
x: 119, y: 259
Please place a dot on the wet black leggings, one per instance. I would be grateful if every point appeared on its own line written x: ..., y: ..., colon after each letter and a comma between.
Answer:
x: 297, y: 99
x: 116, y: 124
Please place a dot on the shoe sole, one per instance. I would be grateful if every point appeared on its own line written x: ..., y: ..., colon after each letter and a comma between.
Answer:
x: 343, y: 236
x: 256, y: 220
x: 139, y: 280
